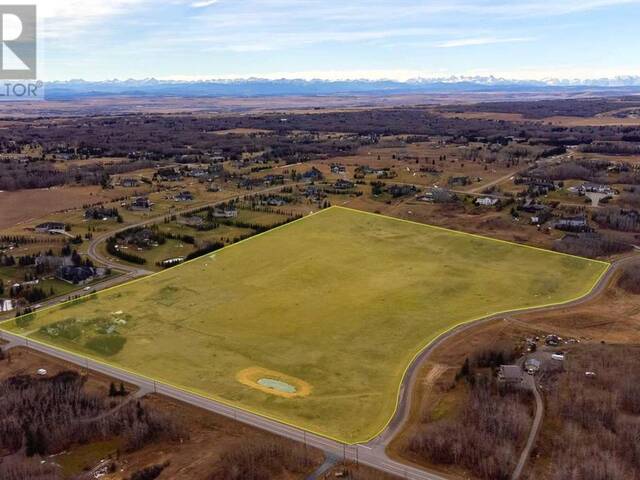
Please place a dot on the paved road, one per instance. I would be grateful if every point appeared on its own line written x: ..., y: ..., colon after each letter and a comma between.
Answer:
x: 535, y: 427
x: 401, y: 416
x: 103, y: 285
x: 360, y: 453
x: 373, y: 453
x: 497, y: 181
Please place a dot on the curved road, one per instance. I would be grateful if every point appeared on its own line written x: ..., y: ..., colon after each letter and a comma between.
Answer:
x: 372, y: 453
x: 535, y: 427
x: 97, y: 256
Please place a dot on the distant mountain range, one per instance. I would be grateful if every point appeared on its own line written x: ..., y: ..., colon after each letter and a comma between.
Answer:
x: 254, y: 87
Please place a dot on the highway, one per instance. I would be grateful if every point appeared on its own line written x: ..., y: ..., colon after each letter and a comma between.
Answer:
x: 373, y: 453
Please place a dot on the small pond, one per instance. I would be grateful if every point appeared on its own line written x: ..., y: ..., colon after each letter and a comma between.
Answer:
x: 277, y: 385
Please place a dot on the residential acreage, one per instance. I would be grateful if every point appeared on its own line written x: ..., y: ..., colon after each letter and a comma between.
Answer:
x: 313, y: 323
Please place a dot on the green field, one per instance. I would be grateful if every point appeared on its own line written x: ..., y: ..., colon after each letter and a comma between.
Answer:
x: 341, y: 300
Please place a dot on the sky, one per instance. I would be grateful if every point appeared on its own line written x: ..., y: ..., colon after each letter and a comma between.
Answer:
x: 338, y: 39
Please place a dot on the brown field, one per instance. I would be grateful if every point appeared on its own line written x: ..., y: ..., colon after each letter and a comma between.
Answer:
x: 565, y: 121
x: 25, y: 206
x: 482, y: 221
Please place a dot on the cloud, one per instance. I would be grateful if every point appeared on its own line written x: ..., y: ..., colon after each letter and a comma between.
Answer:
x: 204, y: 3
x: 467, y: 42
x: 67, y: 18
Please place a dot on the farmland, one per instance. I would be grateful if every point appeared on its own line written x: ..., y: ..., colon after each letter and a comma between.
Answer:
x: 340, y: 301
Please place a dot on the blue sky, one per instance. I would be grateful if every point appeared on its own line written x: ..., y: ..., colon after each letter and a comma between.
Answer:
x: 400, y: 39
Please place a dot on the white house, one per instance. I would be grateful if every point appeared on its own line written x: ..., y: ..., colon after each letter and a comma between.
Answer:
x: 487, y: 201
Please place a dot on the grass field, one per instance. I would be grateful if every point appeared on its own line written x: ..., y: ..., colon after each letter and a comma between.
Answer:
x: 340, y: 301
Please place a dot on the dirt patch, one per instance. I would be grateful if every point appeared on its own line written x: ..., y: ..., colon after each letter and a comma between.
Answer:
x: 251, y: 376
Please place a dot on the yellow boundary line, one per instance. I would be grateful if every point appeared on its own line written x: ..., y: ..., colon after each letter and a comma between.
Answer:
x: 467, y: 234
x: 404, y: 374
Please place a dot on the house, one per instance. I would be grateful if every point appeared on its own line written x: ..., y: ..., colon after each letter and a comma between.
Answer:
x: 338, y: 168
x: 76, y: 275
x: 442, y: 195
x: 100, y: 213
x: 168, y: 175
x: 313, y: 193
x: 225, y: 212
x: 458, y: 181
x: 197, y: 172
x: 532, y: 365
x: 274, y: 201
x: 552, y: 340
x: 343, y: 185
x: 6, y: 305
x: 401, y: 190
x: 530, y: 206
x: 510, y: 374
x: 213, y: 188
x: 51, y: 227
x: 184, y: 196
x: 171, y: 262
x: 312, y: 175
x: 596, y: 188
x: 141, y: 203
x: 191, y: 221
x: 425, y: 197
x: 274, y: 179
x: 129, y: 182
x: 487, y: 201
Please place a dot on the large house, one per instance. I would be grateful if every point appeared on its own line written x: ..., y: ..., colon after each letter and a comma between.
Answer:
x: 272, y: 179
x: 343, y: 184
x: 76, y: 275
x: 129, y: 182
x: 596, y: 188
x: 184, y: 196
x: 100, y: 213
x: 51, y: 227
x: 168, y: 175
x: 225, y: 212
x: 312, y: 175
x: 141, y: 203
x: 338, y: 168
x: 487, y: 201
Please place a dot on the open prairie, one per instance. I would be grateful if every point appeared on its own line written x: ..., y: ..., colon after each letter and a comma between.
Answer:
x: 339, y: 303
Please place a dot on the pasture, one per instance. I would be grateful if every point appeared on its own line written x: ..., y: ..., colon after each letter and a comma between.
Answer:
x: 340, y: 302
